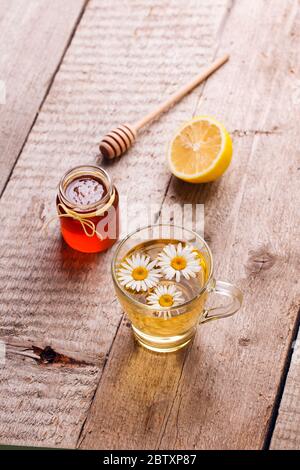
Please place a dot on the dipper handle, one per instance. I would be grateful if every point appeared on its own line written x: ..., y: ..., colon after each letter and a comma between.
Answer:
x: 119, y: 140
x: 178, y: 95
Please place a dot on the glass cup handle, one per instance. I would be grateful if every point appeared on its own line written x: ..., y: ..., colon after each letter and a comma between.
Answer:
x: 228, y: 290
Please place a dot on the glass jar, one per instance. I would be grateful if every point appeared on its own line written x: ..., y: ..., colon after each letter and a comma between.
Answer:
x: 88, y: 207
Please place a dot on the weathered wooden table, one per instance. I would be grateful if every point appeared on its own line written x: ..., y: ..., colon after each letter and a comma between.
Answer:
x: 72, y: 70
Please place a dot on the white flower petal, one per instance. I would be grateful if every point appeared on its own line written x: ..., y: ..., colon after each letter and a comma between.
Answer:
x: 151, y: 264
x: 129, y: 263
x: 172, y: 290
x: 153, y: 299
x: 185, y: 273
x: 173, y: 250
x: 187, y: 252
x: 167, y: 250
x: 169, y: 274
x: 129, y: 284
x: 144, y: 286
x: 143, y: 261
x: 125, y: 272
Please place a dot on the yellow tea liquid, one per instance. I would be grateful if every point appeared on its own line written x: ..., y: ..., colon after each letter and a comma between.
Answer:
x: 163, y: 329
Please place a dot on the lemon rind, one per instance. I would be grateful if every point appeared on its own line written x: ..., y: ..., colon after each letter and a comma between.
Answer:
x: 225, y: 137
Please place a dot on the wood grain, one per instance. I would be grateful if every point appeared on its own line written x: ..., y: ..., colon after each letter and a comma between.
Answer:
x: 38, y: 411
x: 51, y: 295
x: 220, y: 394
x: 33, y: 37
x: 286, y: 434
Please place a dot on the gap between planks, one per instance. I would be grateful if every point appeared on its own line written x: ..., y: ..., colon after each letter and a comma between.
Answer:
x: 282, y: 388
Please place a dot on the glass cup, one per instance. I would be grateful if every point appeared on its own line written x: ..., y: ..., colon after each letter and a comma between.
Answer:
x: 170, y: 329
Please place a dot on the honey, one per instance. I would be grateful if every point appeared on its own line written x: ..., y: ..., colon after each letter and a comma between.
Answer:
x: 88, y: 208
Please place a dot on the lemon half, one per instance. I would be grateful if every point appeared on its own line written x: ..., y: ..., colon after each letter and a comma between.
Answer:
x: 200, y: 151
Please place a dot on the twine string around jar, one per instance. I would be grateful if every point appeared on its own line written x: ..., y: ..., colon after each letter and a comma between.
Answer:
x: 83, y: 218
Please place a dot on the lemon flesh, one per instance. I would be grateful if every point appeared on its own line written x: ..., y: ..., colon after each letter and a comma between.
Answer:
x: 201, y: 150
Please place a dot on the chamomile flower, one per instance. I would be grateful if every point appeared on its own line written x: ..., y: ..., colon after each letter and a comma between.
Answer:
x: 165, y: 297
x: 137, y: 272
x: 175, y: 261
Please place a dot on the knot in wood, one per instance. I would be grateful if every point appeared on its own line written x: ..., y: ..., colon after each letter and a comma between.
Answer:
x: 259, y: 260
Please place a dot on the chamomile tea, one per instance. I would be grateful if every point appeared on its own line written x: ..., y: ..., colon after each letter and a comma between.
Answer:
x: 156, y: 277
x: 163, y: 275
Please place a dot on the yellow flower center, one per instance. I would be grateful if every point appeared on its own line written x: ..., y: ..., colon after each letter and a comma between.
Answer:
x: 140, y: 273
x: 178, y: 263
x: 166, y: 300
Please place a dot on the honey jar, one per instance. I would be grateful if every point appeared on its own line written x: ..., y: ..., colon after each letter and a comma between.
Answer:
x: 88, y: 207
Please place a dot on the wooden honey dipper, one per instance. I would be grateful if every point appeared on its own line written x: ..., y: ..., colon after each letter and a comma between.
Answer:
x: 119, y: 140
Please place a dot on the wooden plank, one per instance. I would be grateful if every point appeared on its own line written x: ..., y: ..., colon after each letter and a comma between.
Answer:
x: 286, y: 435
x: 221, y: 393
x: 33, y: 37
x: 39, y: 411
x: 51, y: 295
